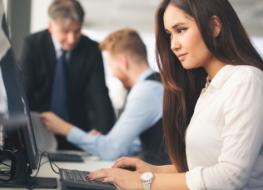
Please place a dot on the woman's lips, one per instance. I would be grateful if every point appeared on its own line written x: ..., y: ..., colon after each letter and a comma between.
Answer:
x: 182, y: 57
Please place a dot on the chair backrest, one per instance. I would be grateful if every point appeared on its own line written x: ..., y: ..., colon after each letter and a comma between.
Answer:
x: 45, y: 140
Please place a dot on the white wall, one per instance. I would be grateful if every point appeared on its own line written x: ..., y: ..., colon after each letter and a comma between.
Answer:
x: 5, y: 5
x: 39, y: 19
x: 258, y: 43
x: 39, y: 15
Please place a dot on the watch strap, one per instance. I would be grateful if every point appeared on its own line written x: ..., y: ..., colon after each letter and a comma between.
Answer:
x: 146, y: 186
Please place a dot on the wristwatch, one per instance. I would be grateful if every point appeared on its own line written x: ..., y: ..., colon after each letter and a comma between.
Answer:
x: 147, y: 179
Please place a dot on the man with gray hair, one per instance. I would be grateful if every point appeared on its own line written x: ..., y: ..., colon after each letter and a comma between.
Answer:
x: 63, y: 72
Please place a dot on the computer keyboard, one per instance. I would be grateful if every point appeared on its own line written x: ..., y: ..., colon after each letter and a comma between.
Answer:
x: 74, y: 179
x: 60, y: 157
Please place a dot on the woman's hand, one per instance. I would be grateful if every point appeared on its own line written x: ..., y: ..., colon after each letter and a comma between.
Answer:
x: 55, y: 124
x: 139, y: 165
x: 122, y: 178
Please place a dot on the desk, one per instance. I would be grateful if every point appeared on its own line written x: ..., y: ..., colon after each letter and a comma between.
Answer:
x: 90, y: 163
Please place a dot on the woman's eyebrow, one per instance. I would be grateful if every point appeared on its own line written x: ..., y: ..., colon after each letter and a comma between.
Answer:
x: 177, y: 24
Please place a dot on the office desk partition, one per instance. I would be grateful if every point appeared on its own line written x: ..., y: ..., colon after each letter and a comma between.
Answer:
x: 91, y: 163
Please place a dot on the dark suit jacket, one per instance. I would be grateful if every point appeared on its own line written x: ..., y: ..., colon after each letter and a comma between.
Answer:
x: 87, y: 91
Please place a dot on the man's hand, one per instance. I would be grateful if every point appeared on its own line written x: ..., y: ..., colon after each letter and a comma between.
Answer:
x: 55, y: 124
x: 94, y: 132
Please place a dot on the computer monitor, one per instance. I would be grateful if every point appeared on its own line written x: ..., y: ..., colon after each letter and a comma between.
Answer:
x: 15, y: 120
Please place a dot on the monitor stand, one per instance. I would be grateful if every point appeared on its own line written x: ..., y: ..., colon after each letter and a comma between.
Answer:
x: 24, y: 180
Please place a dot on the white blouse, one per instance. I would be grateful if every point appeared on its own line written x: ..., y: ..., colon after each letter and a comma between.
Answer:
x: 224, y: 140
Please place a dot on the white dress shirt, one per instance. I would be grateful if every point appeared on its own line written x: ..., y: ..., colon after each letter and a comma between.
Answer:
x: 58, y: 49
x: 224, y: 140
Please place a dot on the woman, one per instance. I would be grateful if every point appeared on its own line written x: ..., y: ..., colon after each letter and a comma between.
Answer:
x: 213, y: 102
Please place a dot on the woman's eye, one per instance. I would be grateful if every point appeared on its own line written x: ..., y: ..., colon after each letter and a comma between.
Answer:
x: 181, y: 30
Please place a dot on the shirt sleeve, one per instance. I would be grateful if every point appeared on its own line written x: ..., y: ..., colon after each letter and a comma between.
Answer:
x: 142, y: 110
x: 242, y: 141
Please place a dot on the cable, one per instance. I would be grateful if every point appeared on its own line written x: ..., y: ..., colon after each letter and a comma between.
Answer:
x: 41, y: 152
x: 7, y: 173
x: 44, y: 163
x: 39, y: 164
x: 30, y: 180
x: 48, y: 162
x: 4, y: 173
x: 55, y: 165
x: 6, y: 165
x: 52, y: 163
x: 20, y: 166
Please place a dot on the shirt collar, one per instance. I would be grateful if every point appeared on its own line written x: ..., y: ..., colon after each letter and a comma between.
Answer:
x: 58, y: 48
x: 144, y: 75
x: 56, y: 44
x: 222, y: 76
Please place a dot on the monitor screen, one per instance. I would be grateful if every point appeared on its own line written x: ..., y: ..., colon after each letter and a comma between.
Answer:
x: 13, y: 101
x: 16, y: 134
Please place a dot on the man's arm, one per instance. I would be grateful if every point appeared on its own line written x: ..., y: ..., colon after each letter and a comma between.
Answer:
x: 141, y: 112
x: 99, y: 100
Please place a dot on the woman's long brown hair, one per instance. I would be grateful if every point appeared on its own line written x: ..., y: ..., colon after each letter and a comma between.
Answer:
x: 182, y: 87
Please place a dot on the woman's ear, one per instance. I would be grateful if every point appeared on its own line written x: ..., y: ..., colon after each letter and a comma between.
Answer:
x: 216, y: 25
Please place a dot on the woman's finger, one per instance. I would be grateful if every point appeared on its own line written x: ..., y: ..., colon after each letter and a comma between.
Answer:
x: 124, y: 162
x: 102, y: 173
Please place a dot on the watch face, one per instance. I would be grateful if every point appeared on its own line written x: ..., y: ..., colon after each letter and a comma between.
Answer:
x: 147, y: 176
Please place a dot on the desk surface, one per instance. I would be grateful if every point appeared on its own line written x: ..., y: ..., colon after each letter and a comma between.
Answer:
x: 91, y: 163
